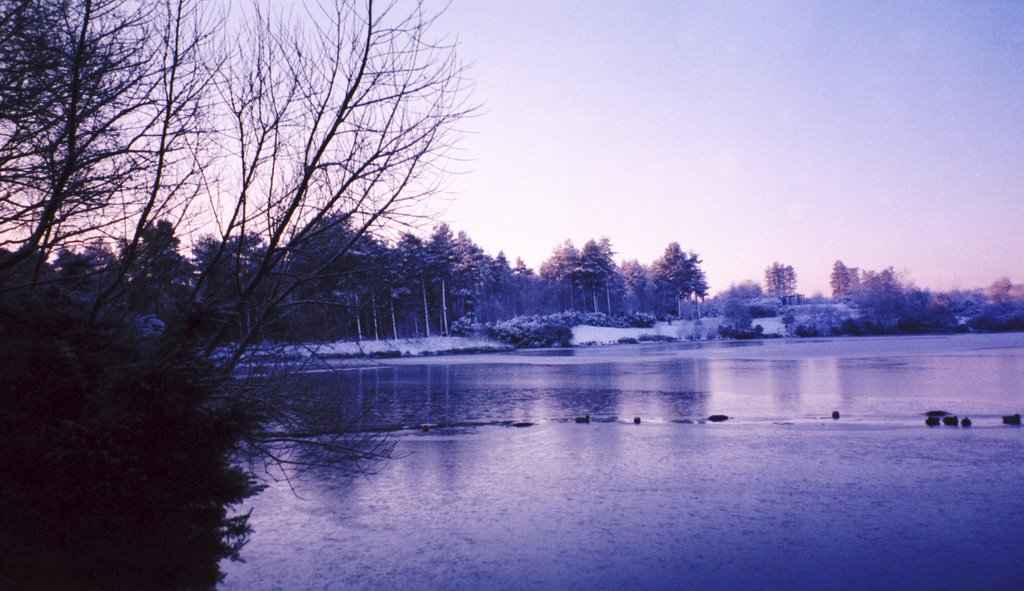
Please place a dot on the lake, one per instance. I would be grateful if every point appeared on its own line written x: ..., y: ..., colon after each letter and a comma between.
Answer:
x: 780, y: 496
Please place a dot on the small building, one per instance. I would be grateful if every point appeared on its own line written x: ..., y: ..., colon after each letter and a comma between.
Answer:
x: 794, y: 299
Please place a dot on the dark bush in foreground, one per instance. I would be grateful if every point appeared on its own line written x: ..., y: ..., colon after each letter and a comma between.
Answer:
x: 116, y: 455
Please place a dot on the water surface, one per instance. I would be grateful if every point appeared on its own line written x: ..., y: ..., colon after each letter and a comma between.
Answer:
x: 781, y: 496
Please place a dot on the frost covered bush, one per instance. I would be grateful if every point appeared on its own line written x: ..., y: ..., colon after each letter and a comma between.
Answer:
x: 640, y: 320
x: 733, y: 332
x: 571, y: 318
x: 655, y: 338
x: 555, y: 330
x: 764, y: 307
x: 600, y: 319
x: 467, y: 326
x: 526, y: 332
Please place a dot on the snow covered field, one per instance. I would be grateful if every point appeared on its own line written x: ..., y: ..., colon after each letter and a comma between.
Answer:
x: 779, y: 497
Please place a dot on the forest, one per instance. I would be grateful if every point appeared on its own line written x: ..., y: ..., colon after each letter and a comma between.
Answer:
x: 416, y: 286
x: 443, y: 283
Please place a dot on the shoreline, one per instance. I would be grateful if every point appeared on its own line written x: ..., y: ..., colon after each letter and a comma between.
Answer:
x: 584, y: 338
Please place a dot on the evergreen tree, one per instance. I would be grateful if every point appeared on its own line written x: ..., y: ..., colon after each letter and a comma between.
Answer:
x: 779, y: 280
x: 416, y: 266
x: 596, y: 269
x: 160, y: 275
x: 678, y: 274
x: 563, y: 269
x: 635, y: 285
x: 440, y: 257
x: 840, y: 280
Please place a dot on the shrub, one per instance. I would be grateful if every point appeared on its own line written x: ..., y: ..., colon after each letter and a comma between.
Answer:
x: 526, y: 332
x: 656, y: 338
x: 640, y: 320
x: 998, y: 318
x: 764, y: 307
x: 467, y: 326
x: 116, y: 453
x: 732, y: 332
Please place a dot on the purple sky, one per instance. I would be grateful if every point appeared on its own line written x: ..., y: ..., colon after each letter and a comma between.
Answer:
x: 882, y: 134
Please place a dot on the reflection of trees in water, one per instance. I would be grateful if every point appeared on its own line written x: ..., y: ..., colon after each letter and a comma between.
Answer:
x: 670, y: 389
x: 761, y: 388
x: 454, y: 394
x: 315, y: 420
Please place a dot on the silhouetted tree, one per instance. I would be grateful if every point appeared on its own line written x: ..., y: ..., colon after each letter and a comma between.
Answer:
x: 134, y: 123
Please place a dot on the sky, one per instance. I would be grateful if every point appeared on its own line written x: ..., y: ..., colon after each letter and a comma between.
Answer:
x: 876, y: 133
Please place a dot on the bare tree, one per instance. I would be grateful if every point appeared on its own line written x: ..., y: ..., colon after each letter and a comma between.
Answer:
x: 348, y: 121
x: 128, y: 124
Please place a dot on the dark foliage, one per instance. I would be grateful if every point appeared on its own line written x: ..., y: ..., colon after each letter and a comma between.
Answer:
x: 640, y: 320
x: 116, y: 452
x: 655, y: 338
x: 733, y: 332
x: 1001, y: 317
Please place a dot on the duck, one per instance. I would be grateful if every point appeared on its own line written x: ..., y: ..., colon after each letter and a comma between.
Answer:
x: 636, y: 420
x: 931, y: 421
x: 951, y: 420
x: 718, y: 418
x: 583, y: 419
x: 965, y: 422
x: 1012, y: 419
x: 835, y: 414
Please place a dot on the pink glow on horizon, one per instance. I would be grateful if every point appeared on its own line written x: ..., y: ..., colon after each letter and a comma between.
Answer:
x: 878, y: 135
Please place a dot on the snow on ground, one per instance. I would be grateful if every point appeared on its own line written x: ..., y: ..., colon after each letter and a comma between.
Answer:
x: 404, y: 347
x: 771, y: 326
x: 683, y: 330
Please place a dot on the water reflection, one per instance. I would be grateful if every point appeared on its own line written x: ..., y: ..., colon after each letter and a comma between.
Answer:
x: 454, y: 394
x: 668, y: 384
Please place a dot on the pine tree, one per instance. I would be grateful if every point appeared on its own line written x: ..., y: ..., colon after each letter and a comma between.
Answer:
x: 779, y: 280
x: 840, y: 280
x: 679, y: 274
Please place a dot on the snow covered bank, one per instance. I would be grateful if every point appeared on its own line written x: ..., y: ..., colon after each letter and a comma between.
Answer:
x: 680, y: 330
x: 401, y: 347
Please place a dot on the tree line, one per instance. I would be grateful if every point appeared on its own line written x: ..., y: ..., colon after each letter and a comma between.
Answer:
x: 866, y: 302
x: 414, y: 286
